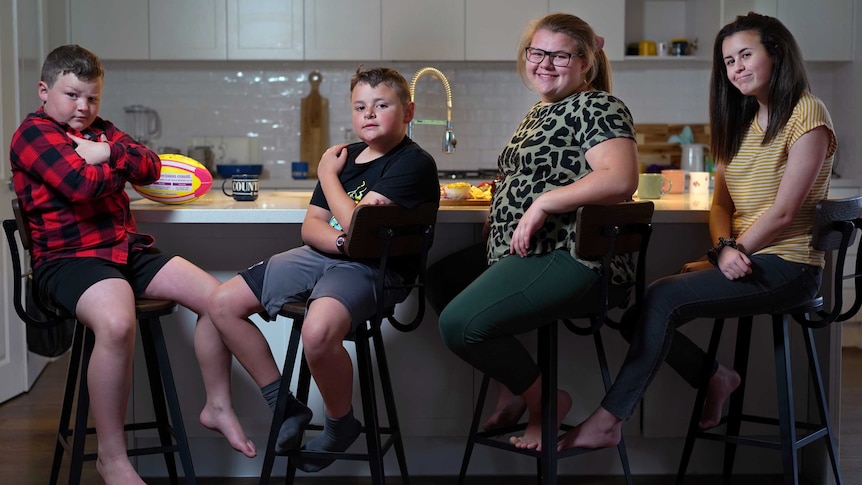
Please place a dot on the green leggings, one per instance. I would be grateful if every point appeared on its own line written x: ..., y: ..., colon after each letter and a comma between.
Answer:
x: 513, y: 296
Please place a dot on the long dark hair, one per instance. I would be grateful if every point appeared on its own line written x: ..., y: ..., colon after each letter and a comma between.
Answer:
x: 730, y: 112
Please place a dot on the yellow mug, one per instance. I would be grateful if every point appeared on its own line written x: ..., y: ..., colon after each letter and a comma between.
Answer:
x: 646, y: 48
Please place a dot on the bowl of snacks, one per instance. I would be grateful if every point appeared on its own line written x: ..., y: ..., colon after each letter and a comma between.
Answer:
x: 457, y: 190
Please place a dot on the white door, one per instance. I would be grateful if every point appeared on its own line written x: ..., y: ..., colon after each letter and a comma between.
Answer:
x: 21, y: 53
x: 13, y: 358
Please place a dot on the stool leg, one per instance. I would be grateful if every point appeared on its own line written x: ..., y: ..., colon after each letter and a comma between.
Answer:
x: 281, y: 403
x: 303, y: 386
x: 474, y: 428
x: 72, y: 375
x: 548, y: 364
x: 369, y: 407
x: 158, y: 396
x: 822, y: 407
x: 79, y: 434
x: 391, y: 412
x: 693, y: 427
x: 606, y: 380
x: 787, y: 420
x: 170, y: 396
x: 740, y: 365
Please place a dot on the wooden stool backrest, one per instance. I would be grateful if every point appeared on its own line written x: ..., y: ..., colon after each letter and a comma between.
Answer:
x: 365, y: 239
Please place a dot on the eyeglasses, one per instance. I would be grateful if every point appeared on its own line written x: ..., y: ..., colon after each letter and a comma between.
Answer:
x: 558, y: 58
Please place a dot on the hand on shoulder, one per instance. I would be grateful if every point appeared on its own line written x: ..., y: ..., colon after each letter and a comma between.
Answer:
x: 333, y: 160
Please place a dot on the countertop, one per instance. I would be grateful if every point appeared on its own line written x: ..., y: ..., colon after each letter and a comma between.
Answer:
x: 288, y: 207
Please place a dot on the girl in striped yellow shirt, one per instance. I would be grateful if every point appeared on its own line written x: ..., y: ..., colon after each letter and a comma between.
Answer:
x: 774, y: 143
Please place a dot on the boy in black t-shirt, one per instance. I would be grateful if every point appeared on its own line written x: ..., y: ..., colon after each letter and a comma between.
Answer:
x: 386, y: 167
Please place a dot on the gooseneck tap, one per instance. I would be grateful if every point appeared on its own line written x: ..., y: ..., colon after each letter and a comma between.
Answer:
x: 449, y: 140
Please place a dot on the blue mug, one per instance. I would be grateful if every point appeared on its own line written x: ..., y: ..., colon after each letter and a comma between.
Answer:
x: 299, y: 170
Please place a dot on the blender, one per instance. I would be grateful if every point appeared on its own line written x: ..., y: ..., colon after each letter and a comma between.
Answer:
x: 143, y: 123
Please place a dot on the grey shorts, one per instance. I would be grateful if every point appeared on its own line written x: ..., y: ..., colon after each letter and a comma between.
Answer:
x: 304, y: 273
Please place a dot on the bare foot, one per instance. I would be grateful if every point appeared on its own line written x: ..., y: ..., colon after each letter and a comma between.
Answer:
x: 721, y: 386
x: 117, y: 470
x: 601, y: 430
x: 225, y: 422
x: 509, y: 410
x: 532, y: 438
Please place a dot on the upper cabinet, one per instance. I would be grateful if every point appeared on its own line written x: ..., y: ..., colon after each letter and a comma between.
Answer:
x: 351, y: 34
x: 119, y: 30
x: 188, y: 30
x: 265, y: 29
x: 607, y: 18
x: 494, y: 27
x: 419, y: 30
x: 823, y: 29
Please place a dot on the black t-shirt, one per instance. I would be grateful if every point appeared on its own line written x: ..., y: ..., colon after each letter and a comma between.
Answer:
x: 406, y: 175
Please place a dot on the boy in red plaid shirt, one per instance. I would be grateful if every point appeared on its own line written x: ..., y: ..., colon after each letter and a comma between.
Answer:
x: 69, y: 170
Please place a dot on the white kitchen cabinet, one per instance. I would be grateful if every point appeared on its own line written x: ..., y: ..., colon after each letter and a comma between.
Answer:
x: 823, y: 30
x: 607, y: 18
x: 494, y: 27
x: 188, y: 30
x: 418, y: 30
x: 732, y: 8
x: 265, y: 29
x: 112, y: 29
x: 342, y: 30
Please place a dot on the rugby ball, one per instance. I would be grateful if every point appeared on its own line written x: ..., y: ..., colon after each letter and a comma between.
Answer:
x: 182, y: 180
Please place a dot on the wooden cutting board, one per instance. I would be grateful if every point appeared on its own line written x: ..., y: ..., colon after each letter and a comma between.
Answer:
x: 314, y: 134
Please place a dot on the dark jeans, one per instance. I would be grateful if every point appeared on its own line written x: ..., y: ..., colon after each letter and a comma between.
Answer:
x: 774, y: 286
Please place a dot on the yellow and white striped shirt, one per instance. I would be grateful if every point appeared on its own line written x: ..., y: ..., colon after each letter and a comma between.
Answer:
x: 754, y: 175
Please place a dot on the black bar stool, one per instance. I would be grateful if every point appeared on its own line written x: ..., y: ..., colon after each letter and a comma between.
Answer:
x: 836, y: 223
x: 72, y: 438
x: 603, y: 231
x: 376, y: 232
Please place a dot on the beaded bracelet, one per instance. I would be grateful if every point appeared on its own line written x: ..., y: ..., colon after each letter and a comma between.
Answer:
x: 712, y: 254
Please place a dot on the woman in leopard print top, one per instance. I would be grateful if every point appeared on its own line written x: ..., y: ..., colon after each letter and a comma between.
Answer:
x: 575, y: 146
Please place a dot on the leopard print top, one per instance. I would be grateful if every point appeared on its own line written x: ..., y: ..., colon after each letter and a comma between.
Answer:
x: 547, y: 151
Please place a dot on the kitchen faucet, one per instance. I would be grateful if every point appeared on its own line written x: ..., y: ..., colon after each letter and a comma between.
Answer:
x: 449, y: 140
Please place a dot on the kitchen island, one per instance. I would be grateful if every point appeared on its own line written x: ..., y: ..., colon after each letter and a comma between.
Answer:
x: 288, y: 207
x: 434, y: 390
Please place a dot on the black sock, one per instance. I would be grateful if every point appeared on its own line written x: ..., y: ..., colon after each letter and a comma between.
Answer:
x: 338, y: 434
x: 297, y: 417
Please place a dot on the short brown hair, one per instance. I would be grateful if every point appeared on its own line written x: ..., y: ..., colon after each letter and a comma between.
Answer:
x: 71, y: 59
x: 382, y: 75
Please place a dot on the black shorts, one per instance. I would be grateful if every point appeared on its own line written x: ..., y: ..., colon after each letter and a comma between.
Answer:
x: 61, y: 282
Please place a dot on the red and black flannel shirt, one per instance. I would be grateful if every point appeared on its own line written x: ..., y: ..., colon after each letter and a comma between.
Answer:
x: 76, y: 209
